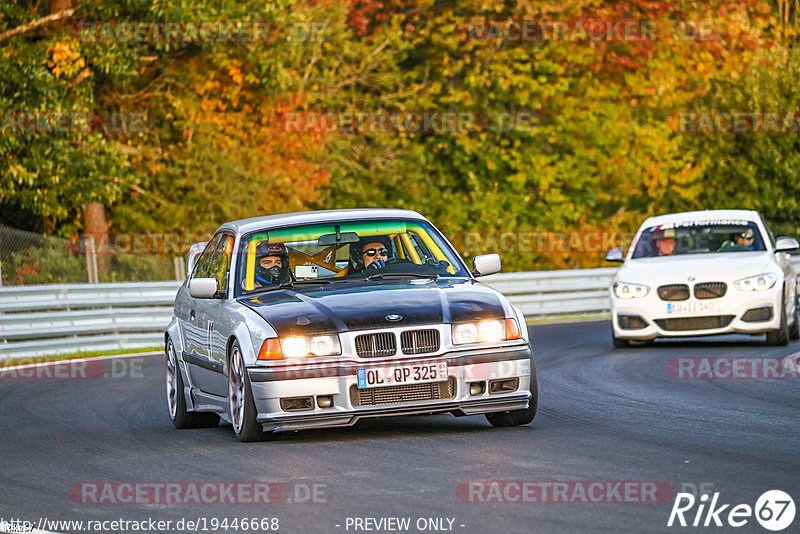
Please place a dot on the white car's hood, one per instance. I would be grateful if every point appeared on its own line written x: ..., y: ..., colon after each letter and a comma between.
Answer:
x: 723, y: 267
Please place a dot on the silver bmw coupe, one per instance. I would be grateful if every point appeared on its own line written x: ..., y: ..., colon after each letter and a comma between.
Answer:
x: 318, y: 319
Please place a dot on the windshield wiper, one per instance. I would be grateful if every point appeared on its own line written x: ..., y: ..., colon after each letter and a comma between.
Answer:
x: 389, y: 276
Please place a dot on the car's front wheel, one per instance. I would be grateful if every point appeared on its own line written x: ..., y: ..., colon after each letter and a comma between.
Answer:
x: 618, y: 342
x: 240, y: 399
x: 518, y: 417
x: 794, y: 330
x: 780, y: 337
x: 181, y: 417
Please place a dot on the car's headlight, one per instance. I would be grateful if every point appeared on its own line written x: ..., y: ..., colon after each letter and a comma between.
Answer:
x: 485, y: 331
x: 625, y: 290
x: 759, y: 282
x: 300, y: 347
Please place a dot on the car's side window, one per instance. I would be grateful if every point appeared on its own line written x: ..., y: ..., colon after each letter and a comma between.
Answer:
x: 221, y: 261
x: 202, y: 269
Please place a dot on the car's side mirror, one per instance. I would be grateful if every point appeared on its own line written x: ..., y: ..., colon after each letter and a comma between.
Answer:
x: 203, y: 288
x: 615, y: 255
x: 786, y: 244
x: 486, y: 264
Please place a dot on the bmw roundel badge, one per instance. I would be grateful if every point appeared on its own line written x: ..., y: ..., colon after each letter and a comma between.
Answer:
x: 394, y: 317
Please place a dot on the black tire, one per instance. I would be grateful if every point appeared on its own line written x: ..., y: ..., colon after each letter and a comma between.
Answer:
x: 794, y: 329
x: 176, y: 402
x: 240, y: 399
x: 780, y: 337
x: 519, y: 417
x: 618, y: 343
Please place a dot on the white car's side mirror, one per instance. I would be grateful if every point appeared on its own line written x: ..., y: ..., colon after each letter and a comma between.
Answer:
x: 486, y: 264
x: 615, y: 255
x: 785, y: 244
x: 203, y: 288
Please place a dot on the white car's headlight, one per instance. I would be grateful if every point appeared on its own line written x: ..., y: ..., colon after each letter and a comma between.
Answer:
x: 485, y: 331
x: 309, y: 346
x: 625, y: 290
x: 759, y: 282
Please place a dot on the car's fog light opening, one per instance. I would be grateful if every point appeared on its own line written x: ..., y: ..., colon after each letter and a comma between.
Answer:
x: 505, y: 385
x: 325, y: 401
x: 630, y: 322
x: 758, y: 315
x: 477, y: 388
x: 297, y: 404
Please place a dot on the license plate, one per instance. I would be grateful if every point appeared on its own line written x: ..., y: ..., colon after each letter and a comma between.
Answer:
x: 400, y: 375
x: 693, y: 308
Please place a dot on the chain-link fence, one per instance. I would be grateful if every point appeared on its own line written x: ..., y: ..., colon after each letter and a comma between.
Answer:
x: 29, y: 258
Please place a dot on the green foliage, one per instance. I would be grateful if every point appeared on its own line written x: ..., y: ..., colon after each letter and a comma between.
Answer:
x: 593, y: 147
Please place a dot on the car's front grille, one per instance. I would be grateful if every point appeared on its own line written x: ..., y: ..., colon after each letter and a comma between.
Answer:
x: 401, y: 394
x: 419, y: 341
x: 673, y: 292
x: 677, y: 324
x: 710, y: 290
x: 376, y: 345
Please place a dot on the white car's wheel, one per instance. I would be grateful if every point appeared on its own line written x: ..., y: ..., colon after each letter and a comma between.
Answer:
x: 240, y: 399
x: 181, y: 417
x: 794, y: 329
x: 780, y: 337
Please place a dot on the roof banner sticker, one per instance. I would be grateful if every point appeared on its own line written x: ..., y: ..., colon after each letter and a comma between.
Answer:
x: 707, y: 222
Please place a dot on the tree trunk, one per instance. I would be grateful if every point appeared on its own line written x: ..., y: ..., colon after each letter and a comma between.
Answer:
x: 95, y: 226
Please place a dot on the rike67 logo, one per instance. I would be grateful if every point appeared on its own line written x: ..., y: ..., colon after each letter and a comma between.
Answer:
x: 774, y: 510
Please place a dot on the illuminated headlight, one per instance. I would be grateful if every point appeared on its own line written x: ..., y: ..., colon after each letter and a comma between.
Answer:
x: 302, y: 347
x: 760, y: 282
x: 485, y: 331
x: 625, y: 290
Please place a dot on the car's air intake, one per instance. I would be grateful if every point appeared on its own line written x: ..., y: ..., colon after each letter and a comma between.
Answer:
x: 673, y: 292
x: 376, y: 345
x: 710, y: 290
x: 419, y: 341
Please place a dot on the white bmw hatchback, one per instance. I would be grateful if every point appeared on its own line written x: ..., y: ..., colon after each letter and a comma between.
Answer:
x: 704, y: 273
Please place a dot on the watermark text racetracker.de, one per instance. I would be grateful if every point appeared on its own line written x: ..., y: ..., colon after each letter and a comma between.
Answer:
x: 564, y: 491
x: 83, y: 369
x: 196, y: 492
x: 195, y: 524
x: 734, y: 367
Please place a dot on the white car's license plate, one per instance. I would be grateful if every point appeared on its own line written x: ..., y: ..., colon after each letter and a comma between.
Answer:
x: 686, y: 308
x: 400, y: 375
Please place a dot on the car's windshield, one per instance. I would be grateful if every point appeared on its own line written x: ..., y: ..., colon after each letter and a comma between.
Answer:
x: 700, y: 237
x: 331, y: 252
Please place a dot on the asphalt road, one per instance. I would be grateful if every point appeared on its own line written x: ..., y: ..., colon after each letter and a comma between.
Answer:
x: 605, y: 415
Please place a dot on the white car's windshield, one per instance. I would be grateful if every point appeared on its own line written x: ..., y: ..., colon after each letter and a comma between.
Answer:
x: 701, y: 237
x: 330, y: 252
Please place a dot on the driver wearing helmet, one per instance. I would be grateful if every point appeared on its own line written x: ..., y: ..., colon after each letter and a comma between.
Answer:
x: 370, y: 253
x: 272, y: 264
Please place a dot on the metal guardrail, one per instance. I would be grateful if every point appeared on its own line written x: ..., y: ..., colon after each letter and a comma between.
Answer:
x: 67, y: 318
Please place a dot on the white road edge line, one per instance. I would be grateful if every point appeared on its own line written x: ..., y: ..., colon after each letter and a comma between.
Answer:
x: 75, y: 360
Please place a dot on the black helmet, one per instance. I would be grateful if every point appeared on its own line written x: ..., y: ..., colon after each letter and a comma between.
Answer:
x: 357, y: 249
x: 275, y: 274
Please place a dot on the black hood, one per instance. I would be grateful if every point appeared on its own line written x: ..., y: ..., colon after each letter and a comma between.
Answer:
x: 358, y: 305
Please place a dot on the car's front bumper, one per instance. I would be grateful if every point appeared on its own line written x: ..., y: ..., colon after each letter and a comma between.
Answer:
x: 337, y: 379
x: 660, y: 316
